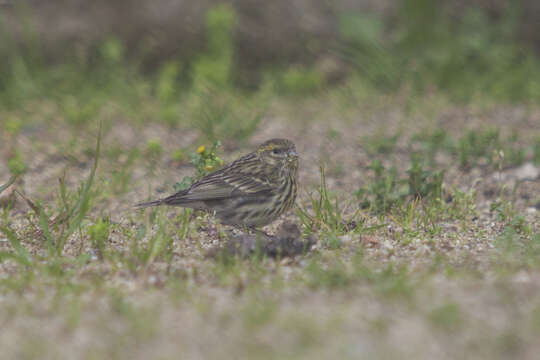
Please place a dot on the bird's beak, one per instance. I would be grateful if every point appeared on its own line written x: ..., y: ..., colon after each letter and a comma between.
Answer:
x: 292, y: 155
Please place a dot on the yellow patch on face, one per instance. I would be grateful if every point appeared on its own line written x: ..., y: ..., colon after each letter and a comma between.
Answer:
x: 274, y: 144
x: 268, y: 147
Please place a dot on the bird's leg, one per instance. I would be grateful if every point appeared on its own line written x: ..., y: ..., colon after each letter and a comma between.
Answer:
x: 260, y: 232
x: 252, y: 229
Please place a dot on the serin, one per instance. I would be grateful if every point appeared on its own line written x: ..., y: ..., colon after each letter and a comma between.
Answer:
x: 252, y: 191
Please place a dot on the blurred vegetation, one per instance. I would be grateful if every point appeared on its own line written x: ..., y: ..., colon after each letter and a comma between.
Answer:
x: 426, y: 49
x: 422, y: 47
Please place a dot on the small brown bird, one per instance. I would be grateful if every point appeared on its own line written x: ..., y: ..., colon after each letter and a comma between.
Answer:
x: 252, y: 191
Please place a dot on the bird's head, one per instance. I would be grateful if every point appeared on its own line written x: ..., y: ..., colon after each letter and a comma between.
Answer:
x: 280, y: 153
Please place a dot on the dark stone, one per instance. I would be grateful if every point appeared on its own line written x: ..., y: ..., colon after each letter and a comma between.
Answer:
x: 287, y: 243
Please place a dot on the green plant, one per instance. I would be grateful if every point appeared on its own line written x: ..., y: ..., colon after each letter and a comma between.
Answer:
x: 519, y: 224
x: 154, y: 149
x: 112, y: 51
x: 379, y: 144
x: 178, y: 156
x: 430, y: 143
x: 326, y: 213
x: 385, y: 191
x: 424, y: 183
x: 461, y: 205
x: 299, y: 80
x: 406, y: 216
x: 16, y: 164
x: 157, y: 246
x: 13, y: 125
x: 388, y: 190
x: 331, y: 241
x: 477, y: 144
x: 512, y: 151
x: 57, y: 230
x: 98, y: 233
x: 205, y: 161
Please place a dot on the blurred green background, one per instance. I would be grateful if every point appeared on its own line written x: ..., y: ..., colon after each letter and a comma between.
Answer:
x: 485, y: 47
x: 183, y: 62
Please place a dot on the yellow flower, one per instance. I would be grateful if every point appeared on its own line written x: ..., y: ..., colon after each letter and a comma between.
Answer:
x: 200, y: 149
x: 208, y: 167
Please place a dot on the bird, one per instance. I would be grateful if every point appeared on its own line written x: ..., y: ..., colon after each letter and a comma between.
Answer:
x: 251, y: 192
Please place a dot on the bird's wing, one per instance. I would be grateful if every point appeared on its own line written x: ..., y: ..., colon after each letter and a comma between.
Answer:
x: 237, y: 179
x: 226, y: 186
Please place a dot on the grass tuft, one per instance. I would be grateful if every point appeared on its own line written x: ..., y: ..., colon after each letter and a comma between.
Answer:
x: 326, y: 214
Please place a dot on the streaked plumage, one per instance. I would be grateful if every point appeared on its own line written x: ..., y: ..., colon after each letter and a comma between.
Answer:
x: 252, y: 191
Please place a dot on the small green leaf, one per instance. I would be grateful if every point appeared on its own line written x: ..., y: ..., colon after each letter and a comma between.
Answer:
x: 8, y: 184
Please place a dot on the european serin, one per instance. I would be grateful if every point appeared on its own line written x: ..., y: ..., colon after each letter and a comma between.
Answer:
x: 252, y: 191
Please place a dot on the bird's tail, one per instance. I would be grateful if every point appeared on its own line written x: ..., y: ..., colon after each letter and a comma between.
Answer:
x: 172, y: 200
x: 149, y: 204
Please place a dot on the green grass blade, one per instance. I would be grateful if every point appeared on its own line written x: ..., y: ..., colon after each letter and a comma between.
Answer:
x: 8, y: 184
x: 84, y: 199
x: 44, y: 224
x: 21, y: 254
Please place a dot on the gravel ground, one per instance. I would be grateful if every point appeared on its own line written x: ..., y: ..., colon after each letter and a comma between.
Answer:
x: 459, y: 295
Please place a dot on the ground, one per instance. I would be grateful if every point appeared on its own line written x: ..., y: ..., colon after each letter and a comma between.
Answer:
x: 452, y: 274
